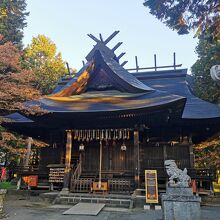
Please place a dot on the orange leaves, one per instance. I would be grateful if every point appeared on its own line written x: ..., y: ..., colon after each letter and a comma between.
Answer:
x: 39, y: 144
x: 7, y: 136
x: 9, y: 57
x: 15, y: 89
x: 17, y: 145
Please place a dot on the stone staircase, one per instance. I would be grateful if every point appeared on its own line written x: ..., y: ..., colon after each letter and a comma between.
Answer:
x: 111, y: 200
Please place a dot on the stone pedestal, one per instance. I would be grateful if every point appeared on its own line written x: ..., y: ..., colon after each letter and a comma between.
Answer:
x: 179, y: 203
x: 2, y: 198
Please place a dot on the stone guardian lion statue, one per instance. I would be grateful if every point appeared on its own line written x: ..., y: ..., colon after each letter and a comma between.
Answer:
x: 177, y: 177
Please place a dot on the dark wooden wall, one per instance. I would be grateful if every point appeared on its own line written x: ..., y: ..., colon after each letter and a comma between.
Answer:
x: 151, y: 156
x: 113, y: 159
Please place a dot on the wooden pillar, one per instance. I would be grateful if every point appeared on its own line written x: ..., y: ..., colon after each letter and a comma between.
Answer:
x: 67, y: 161
x: 100, y: 165
x: 27, y: 157
x: 191, y: 154
x: 164, y: 152
x: 136, y: 159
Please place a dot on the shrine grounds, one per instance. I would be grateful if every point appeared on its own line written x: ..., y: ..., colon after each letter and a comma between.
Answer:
x: 18, y: 207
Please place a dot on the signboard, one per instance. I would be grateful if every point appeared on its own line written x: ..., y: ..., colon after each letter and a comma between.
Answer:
x: 151, y: 186
x: 104, y: 186
x: 30, y: 180
x: 33, y: 181
x: 56, y: 175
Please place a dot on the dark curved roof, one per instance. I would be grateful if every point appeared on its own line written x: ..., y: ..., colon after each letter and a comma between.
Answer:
x: 122, y: 91
x: 107, y: 101
x: 106, y: 72
x: 128, y: 82
x: 175, y: 82
x: 18, y: 118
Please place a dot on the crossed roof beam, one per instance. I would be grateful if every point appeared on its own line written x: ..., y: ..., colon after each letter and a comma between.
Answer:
x: 107, y: 40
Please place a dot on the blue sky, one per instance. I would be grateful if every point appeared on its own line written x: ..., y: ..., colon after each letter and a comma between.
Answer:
x: 68, y: 22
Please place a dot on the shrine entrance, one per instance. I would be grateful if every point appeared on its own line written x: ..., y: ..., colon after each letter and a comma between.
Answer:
x: 106, y: 156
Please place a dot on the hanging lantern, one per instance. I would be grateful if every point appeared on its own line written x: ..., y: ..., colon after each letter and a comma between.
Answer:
x: 123, y: 147
x: 81, y: 147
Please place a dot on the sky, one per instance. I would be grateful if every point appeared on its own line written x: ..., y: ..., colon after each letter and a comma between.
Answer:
x: 68, y: 22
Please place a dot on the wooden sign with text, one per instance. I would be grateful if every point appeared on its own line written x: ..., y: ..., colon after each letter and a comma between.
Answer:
x: 151, y: 186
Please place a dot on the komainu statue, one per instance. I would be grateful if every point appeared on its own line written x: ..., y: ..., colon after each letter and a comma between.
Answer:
x: 177, y: 177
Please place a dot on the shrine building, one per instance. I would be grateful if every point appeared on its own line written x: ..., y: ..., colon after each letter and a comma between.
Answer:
x: 108, y: 124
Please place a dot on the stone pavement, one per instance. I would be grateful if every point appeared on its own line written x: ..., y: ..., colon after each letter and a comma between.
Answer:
x: 26, y: 209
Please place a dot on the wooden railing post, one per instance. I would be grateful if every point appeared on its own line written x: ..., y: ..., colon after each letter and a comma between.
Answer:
x: 76, y: 175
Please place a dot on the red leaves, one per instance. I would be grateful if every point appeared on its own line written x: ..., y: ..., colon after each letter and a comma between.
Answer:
x: 9, y: 57
x: 16, y: 87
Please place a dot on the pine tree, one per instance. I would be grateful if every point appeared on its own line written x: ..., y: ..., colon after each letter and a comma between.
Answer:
x: 13, y: 20
x: 185, y: 15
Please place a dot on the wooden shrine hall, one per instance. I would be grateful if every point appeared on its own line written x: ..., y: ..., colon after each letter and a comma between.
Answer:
x: 107, y: 125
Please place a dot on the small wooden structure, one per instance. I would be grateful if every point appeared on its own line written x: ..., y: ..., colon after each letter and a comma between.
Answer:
x: 105, y: 124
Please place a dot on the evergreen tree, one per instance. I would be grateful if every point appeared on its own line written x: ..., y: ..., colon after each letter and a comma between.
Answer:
x: 208, y: 55
x: 13, y: 20
x: 185, y: 15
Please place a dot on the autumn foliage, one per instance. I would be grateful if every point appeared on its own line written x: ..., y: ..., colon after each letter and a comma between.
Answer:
x: 208, y: 153
x: 16, y: 87
x: 9, y: 57
x: 42, y: 58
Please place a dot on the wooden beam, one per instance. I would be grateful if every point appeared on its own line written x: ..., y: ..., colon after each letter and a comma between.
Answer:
x: 136, y: 62
x: 101, y: 38
x: 125, y: 62
x: 67, y: 161
x: 27, y: 157
x: 155, y: 62
x: 100, y: 164
x: 117, y: 46
x: 153, y: 67
x: 174, y: 60
x: 121, y: 55
x: 68, y: 68
x: 111, y: 37
x: 93, y: 38
x: 191, y: 154
x: 164, y: 152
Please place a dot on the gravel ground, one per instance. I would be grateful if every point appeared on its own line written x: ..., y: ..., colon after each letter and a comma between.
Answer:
x: 20, y: 208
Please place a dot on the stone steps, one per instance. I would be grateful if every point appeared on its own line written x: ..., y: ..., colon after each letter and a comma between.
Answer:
x: 110, y: 201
